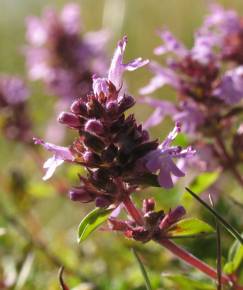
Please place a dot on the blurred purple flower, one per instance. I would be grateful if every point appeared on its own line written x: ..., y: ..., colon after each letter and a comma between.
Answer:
x: 224, y: 28
x: 16, y: 122
x: 58, y: 55
x: 230, y: 88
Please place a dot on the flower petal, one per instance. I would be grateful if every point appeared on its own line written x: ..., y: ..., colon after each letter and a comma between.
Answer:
x: 117, y: 67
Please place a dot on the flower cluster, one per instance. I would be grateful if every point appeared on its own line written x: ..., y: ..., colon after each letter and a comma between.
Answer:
x: 118, y: 153
x: 156, y: 224
x: 15, y: 121
x: 58, y: 55
x: 208, y: 87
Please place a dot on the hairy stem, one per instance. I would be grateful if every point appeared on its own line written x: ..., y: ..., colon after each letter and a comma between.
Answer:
x: 192, y: 260
x: 133, y: 211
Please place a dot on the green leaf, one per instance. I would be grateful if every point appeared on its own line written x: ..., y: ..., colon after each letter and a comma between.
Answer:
x: 143, y: 270
x: 235, y: 258
x: 203, y: 181
x: 200, y: 184
x: 189, y: 227
x: 185, y: 282
x: 92, y: 221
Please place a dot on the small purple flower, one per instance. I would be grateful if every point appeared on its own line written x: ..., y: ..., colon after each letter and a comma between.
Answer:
x: 161, y: 159
x: 61, y: 154
x: 117, y: 68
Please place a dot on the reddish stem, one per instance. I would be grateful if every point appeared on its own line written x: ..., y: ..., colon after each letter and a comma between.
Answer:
x: 192, y: 260
x: 178, y: 251
x: 133, y: 211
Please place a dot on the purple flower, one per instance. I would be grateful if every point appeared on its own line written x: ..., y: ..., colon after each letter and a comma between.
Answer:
x: 224, y: 28
x: 61, y: 154
x: 186, y: 113
x: 108, y: 143
x: 161, y: 159
x: 163, y: 76
x: 117, y: 68
x: 16, y: 123
x: 58, y: 55
x: 230, y: 88
x: 13, y: 91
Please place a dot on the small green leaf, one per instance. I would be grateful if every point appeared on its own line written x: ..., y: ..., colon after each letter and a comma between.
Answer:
x: 235, y: 258
x: 92, y: 221
x: 186, y: 282
x: 189, y: 227
x: 203, y: 181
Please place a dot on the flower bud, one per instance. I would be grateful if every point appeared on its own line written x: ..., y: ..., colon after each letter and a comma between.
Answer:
x: 79, y: 107
x: 91, y: 158
x: 94, y: 126
x: 69, y: 119
x: 80, y: 194
x: 125, y: 103
x: 102, y: 201
x: 112, y: 107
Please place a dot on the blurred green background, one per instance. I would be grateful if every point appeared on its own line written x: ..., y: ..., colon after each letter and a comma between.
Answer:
x: 29, y: 256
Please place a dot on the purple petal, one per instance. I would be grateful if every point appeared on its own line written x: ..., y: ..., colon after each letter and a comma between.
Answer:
x: 171, y: 136
x: 174, y: 169
x: 70, y: 18
x: 163, y: 76
x: 171, y: 44
x: 36, y: 33
x: 61, y: 154
x: 165, y: 179
x: 155, y: 119
x: 117, y: 67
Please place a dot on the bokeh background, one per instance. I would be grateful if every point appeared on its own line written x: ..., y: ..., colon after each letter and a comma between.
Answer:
x: 38, y: 224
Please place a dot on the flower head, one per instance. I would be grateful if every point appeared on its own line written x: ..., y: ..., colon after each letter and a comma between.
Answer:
x: 156, y: 223
x: 13, y: 105
x: 58, y: 55
x: 111, y: 145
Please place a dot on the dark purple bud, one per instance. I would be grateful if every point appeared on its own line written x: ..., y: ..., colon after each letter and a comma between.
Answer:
x: 79, y: 108
x: 69, y: 119
x: 112, y: 107
x: 102, y: 201
x: 176, y: 214
x: 172, y: 217
x: 93, y: 142
x: 148, y: 205
x: 91, y: 158
x: 80, y: 194
x: 94, y: 126
x: 125, y: 103
x: 109, y: 153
